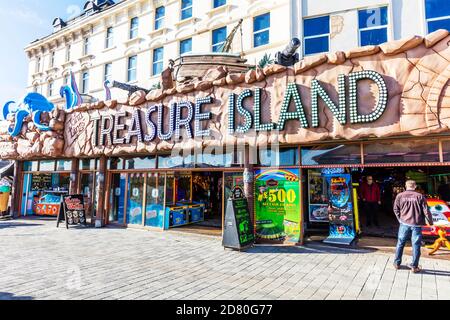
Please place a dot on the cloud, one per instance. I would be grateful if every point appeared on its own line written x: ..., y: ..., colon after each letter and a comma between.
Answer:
x: 22, y: 13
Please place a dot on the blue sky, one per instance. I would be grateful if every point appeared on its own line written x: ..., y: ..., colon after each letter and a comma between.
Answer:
x: 21, y: 22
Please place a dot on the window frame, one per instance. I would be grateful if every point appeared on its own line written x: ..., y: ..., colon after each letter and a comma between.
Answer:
x: 85, y: 82
x: 182, y: 10
x: 386, y: 26
x: 157, y: 62
x: 105, y: 69
x: 180, y: 46
x: 222, y: 43
x: 134, y: 30
x: 130, y: 69
x: 219, y: 6
x: 160, y: 19
x: 428, y: 20
x: 50, y: 88
x: 109, y: 39
x: 328, y: 35
x: 262, y: 30
x: 86, y: 46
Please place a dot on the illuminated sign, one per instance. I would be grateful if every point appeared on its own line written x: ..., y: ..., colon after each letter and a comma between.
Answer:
x: 170, y: 122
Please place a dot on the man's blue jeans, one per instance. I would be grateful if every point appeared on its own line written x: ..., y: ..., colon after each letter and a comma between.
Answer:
x: 404, y: 234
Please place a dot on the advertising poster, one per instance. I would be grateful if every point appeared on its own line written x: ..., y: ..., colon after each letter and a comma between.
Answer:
x: 341, y: 217
x: 277, y: 201
x: 318, y: 197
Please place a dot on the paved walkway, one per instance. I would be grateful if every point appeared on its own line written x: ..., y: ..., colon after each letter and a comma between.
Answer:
x: 39, y: 261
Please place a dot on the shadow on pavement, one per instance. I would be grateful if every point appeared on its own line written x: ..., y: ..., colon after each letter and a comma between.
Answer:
x: 436, y: 272
x: 17, y: 225
x: 311, y: 247
x: 10, y: 296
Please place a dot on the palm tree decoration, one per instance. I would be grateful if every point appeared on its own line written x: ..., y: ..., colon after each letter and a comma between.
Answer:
x: 265, y: 61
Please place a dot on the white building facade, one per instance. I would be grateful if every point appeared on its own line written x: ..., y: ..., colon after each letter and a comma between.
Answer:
x: 132, y: 41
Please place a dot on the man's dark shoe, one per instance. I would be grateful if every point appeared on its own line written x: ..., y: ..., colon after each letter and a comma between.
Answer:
x: 396, y: 266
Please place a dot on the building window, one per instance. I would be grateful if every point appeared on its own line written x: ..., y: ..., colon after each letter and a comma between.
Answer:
x: 437, y: 13
x: 159, y: 17
x: 158, y: 56
x: 35, y: 88
x: 219, y: 3
x: 373, y: 26
x: 109, y: 37
x: 261, y: 30
x: 219, y: 36
x: 38, y: 64
x: 132, y: 68
x: 134, y: 27
x: 186, y: 9
x: 68, y: 53
x: 50, y: 89
x: 317, y: 35
x: 87, y: 46
x: 108, y: 72
x: 66, y: 79
x: 52, y: 59
x: 85, y: 82
x: 185, y: 46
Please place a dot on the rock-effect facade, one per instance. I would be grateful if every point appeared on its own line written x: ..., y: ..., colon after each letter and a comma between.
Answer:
x: 416, y: 72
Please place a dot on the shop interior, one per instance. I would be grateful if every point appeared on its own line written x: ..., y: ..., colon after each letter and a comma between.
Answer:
x: 43, y: 187
x: 433, y: 182
x: 187, y: 199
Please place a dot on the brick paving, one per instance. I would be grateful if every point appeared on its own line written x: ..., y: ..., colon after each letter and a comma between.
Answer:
x: 39, y: 261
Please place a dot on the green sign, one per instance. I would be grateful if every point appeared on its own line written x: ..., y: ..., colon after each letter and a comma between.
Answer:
x: 277, y: 202
x: 243, y: 222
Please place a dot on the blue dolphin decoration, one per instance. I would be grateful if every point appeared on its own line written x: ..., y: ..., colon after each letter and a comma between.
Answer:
x: 33, y: 104
x: 71, y: 93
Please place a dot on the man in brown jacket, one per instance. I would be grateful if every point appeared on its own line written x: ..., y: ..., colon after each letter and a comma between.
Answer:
x: 412, y: 210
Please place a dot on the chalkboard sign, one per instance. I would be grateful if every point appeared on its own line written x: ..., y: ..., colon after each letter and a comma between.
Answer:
x: 72, y: 211
x: 238, y: 230
x: 41, y: 182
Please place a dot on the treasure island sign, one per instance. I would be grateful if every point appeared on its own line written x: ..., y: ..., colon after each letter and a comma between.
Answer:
x: 398, y: 88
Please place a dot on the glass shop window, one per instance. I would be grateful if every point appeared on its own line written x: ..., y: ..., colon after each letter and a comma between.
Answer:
x: 373, y: 26
x: 331, y: 154
x: 47, y: 165
x: 141, y: 163
x: 214, y: 160
x: 116, y: 164
x: 171, y: 162
x: 283, y: 157
x: 317, y: 35
x: 63, y: 165
x: 261, y: 29
x: 183, y: 183
x: 446, y: 150
x: 88, y: 164
x: 31, y: 166
x: 437, y: 13
x: 402, y: 151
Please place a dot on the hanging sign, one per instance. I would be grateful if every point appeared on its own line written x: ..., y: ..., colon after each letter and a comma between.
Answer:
x: 278, y: 208
x: 340, y: 210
